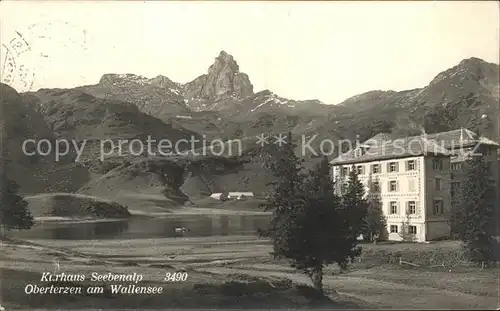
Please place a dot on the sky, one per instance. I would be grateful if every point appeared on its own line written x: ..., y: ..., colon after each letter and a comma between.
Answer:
x: 300, y: 50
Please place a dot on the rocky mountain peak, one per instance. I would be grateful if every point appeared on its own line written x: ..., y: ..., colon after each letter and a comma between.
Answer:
x: 114, y: 78
x: 224, y: 62
x: 471, y: 69
x: 472, y: 61
x: 162, y: 81
x: 223, y: 80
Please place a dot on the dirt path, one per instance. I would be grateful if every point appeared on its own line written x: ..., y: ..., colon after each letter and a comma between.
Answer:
x: 381, y: 293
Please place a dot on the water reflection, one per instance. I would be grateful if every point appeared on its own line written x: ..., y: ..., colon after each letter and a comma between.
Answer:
x: 140, y: 227
x: 224, y: 225
x: 100, y: 230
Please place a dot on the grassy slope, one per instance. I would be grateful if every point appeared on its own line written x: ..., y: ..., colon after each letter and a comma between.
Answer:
x: 74, y: 206
x: 371, y: 283
x: 250, y: 204
x: 159, y: 185
x: 201, y: 290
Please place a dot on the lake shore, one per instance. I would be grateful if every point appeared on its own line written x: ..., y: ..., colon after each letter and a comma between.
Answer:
x: 183, y: 211
x: 72, y: 220
x: 188, y: 211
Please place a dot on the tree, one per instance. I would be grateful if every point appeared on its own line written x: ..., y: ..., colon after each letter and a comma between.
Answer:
x: 309, y: 227
x: 238, y: 133
x: 375, y: 221
x: 475, y: 213
x: 355, y: 203
x: 287, y: 171
x: 404, y: 233
x: 327, y: 233
x: 14, y: 209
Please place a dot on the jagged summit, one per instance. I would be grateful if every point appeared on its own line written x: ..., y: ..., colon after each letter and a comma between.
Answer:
x: 227, y: 59
x: 115, y: 77
x: 223, y: 80
x: 472, y: 68
x: 474, y: 61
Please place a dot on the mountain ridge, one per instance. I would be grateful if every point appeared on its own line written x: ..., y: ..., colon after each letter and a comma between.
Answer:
x: 222, y: 107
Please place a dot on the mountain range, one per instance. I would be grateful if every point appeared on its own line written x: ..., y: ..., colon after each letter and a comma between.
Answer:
x: 221, y: 103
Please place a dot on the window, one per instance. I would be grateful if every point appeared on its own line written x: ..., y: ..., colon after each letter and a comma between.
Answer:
x: 375, y: 186
x: 393, y: 185
x: 345, y: 171
x: 359, y: 169
x: 412, y: 208
x: 344, y: 187
x: 456, y: 167
x: 412, y: 229
x: 437, y: 164
x: 392, y: 167
x: 437, y: 184
x: 410, y: 165
x: 455, y: 188
x: 394, y: 229
x: 412, y: 185
x: 438, y: 207
x: 375, y: 169
x: 393, y: 205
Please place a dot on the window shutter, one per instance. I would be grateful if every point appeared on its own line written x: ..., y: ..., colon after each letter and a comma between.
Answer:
x: 397, y: 167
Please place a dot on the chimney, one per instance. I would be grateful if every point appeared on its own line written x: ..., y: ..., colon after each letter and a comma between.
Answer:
x: 423, y: 134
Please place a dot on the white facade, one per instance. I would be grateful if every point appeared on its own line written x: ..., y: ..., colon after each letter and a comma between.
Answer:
x: 216, y: 196
x: 240, y: 194
x: 412, y: 190
x: 232, y: 195
x: 418, y: 182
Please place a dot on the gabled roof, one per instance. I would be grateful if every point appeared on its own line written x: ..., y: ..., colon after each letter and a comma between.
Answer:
x: 382, y: 147
x: 460, y: 137
x: 392, y: 149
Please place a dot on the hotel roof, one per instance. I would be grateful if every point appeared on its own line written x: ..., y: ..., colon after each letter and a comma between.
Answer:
x: 383, y: 147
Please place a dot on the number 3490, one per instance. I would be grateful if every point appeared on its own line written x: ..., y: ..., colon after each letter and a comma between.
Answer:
x: 175, y: 277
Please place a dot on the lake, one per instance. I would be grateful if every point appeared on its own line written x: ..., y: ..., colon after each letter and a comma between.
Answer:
x: 146, y: 227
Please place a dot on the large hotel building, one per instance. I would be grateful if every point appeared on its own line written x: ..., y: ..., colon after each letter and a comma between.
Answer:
x: 417, y: 179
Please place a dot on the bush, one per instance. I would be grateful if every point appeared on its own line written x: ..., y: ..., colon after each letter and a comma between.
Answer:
x: 14, y: 213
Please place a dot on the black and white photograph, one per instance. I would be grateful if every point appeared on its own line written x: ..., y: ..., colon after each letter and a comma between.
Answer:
x: 249, y: 155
